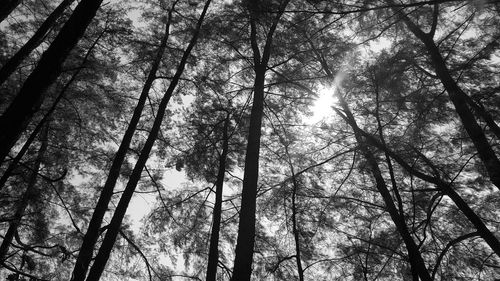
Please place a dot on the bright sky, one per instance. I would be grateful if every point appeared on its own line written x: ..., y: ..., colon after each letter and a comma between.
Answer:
x: 322, y: 107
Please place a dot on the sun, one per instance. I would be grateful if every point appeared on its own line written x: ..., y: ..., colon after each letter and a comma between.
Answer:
x: 322, y: 107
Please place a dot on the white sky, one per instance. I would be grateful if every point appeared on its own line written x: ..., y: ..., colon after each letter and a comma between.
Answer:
x: 322, y: 107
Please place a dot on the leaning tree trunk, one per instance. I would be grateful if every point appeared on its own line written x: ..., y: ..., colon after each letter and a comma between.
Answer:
x: 10, y: 66
x: 459, y: 100
x: 114, y: 226
x: 213, y: 252
x: 29, y: 99
x: 415, y: 258
x: 15, y: 160
x: 90, y: 238
x: 417, y: 263
x: 30, y: 192
x: 447, y: 189
x: 6, y: 7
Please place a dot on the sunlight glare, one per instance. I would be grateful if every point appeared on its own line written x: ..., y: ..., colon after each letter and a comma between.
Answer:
x: 322, y: 107
x: 327, y: 97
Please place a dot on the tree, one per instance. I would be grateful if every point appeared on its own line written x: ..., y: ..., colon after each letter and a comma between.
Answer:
x: 246, y: 230
x: 269, y: 140
x: 11, y: 65
x: 28, y: 100
x: 458, y: 97
x: 114, y: 226
x: 7, y: 7
x: 29, y: 194
x: 93, y: 231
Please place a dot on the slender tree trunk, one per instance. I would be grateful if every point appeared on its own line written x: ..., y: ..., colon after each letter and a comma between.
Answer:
x: 34, y: 133
x: 460, y: 102
x: 10, y: 66
x: 29, y: 99
x: 30, y: 192
x: 114, y: 226
x: 6, y: 7
x: 415, y: 258
x: 242, y: 269
x: 213, y: 253
x: 90, y: 238
x: 295, y: 228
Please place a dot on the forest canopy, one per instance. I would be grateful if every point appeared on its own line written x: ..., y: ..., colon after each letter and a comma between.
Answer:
x: 249, y: 140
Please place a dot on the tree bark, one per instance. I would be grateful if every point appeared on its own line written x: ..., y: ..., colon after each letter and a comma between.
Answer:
x: 6, y: 7
x: 28, y: 195
x: 90, y: 238
x: 10, y: 66
x: 114, y: 226
x: 29, y: 99
x: 213, y: 253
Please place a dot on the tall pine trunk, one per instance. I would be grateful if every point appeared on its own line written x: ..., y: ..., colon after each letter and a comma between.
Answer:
x: 30, y: 192
x: 29, y: 99
x: 213, y: 252
x: 90, y: 238
x: 246, y: 228
x: 115, y: 224
x: 10, y: 66
x: 242, y: 269
x: 6, y: 7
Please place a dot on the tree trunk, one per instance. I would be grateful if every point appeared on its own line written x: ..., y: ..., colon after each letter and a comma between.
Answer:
x: 13, y: 163
x: 447, y: 189
x: 6, y: 7
x: 415, y: 258
x: 460, y: 102
x: 295, y: 229
x: 416, y: 261
x: 481, y: 111
x: 90, y: 238
x: 476, y: 134
x: 213, y: 253
x: 28, y: 195
x: 246, y: 228
x: 29, y: 99
x: 114, y: 226
x: 242, y: 269
x: 10, y: 66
